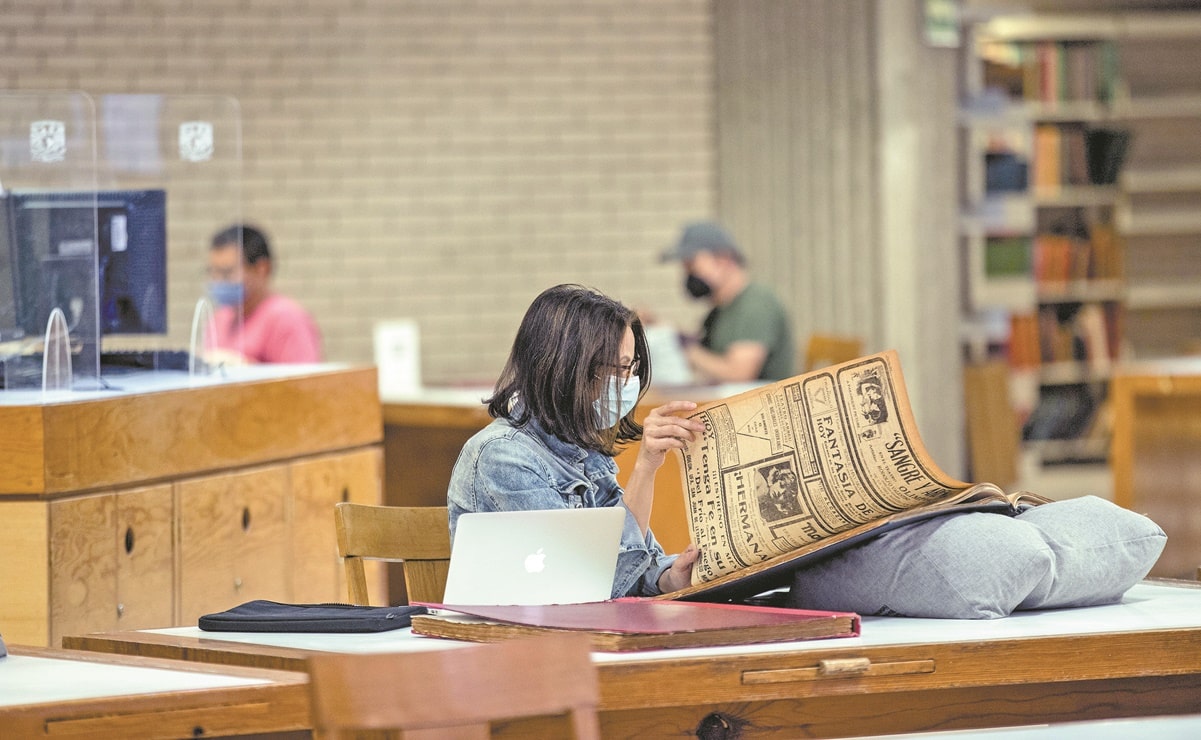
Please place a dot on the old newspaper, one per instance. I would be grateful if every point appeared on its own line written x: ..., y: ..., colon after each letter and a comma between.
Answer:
x: 784, y: 468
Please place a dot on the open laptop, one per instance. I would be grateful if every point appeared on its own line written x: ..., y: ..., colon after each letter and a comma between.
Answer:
x: 555, y: 556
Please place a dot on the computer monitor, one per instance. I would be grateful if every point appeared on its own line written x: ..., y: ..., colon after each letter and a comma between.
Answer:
x: 10, y: 323
x: 51, y: 235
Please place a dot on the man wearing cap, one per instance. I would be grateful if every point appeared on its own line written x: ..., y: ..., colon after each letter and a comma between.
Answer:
x: 746, y: 336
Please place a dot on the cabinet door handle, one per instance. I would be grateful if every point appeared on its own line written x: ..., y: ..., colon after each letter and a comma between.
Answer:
x: 843, y: 666
x: 834, y: 668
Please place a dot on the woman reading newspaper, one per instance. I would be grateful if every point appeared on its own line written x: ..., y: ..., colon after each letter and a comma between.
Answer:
x: 562, y: 408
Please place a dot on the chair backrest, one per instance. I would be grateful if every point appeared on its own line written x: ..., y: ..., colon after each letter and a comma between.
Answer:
x: 824, y: 350
x: 418, y: 536
x: 456, y: 692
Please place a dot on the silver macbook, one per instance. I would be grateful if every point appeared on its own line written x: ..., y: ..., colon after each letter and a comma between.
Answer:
x: 556, y: 556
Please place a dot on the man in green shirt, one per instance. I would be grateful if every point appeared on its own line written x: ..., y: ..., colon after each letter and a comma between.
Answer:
x: 746, y: 336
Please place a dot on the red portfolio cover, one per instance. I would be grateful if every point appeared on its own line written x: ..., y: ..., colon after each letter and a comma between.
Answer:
x: 634, y: 623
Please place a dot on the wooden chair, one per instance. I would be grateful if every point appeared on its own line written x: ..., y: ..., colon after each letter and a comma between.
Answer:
x: 993, y: 432
x: 417, y: 536
x: 456, y: 692
x: 824, y: 350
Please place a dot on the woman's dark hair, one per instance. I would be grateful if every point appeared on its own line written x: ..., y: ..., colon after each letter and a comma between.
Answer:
x: 254, y: 242
x: 566, y: 348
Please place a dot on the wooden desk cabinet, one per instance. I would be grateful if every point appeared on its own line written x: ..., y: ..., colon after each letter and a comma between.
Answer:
x: 111, y: 560
x: 1156, y: 454
x: 142, y: 510
x: 233, y: 540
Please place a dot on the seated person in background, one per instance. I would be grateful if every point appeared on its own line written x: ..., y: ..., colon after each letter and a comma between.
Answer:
x: 746, y: 336
x: 563, y: 408
x: 275, y: 328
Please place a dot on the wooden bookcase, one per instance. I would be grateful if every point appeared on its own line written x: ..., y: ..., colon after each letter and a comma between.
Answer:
x: 1081, y: 202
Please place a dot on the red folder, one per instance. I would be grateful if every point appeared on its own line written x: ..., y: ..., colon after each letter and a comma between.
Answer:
x: 638, y: 624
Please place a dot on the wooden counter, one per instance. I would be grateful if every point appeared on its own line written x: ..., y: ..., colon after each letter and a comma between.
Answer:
x: 1156, y: 454
x: 422, y: 438
x: 162, y: 500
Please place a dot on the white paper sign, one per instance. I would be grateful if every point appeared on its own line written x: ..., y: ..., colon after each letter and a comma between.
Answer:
x: 398, y: 357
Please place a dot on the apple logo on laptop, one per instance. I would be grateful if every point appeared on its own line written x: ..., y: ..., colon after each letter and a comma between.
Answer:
x: 535, y: 562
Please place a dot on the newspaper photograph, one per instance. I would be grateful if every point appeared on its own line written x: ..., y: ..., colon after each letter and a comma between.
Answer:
x: 792, y: 463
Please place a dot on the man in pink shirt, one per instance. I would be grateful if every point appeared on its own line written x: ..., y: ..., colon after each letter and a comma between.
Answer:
x: 274, y: 328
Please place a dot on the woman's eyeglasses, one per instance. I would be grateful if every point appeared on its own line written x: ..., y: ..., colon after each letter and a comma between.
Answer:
x: 625, y: 372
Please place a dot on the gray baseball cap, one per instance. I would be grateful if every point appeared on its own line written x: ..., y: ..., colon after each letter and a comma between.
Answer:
x: 702, y: 236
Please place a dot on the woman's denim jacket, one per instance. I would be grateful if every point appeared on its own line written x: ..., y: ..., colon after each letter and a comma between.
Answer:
x: 505, y: 468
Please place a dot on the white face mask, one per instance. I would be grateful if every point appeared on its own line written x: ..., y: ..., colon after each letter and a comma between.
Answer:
x: 622, y: 396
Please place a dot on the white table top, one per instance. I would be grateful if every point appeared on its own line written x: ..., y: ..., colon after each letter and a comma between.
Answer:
x: 132, y: 383
x: 1147, y: 606
x: 27, y: 679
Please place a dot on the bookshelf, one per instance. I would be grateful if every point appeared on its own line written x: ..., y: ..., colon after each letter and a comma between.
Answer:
x: 1160, y: 215
x: 1081, y: 209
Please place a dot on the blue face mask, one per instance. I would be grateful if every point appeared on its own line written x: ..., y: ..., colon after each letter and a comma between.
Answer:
x: 620, y: 401
x: 226, y: 293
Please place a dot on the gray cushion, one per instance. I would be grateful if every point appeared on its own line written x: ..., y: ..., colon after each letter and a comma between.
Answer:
x: 1100, y: 551
x: 981, y: 565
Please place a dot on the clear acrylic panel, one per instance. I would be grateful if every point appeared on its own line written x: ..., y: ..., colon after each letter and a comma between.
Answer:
x: 180, y: 158
x: 49, y: 238
x: 56, y: 367
x: 203, y: 330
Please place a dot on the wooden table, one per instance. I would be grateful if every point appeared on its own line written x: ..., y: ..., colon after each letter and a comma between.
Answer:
x: 45, y: 692
x: 1138, y: 658
x: 165, y: 498
x: 1184, y: 727
x: 1156, y: 454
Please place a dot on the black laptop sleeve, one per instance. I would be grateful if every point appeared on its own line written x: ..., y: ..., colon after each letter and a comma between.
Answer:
x: 271, y: 616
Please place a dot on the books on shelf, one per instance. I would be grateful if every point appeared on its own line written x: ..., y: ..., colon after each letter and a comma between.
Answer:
x: 1007, y: 256
x: 1106, y: 151
x: 1060, y: 259
x: 1063, y: 412
x: 639, y: 624
x: 1047, y: 157
x: 1081, y: 334
x: 1077, y: 154
x: 1024, y: 349
x: 1050, y: 72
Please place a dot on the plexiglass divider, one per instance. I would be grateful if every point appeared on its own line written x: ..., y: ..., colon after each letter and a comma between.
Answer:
x: 177, y: 159
x: 56, y: 355
x: 49, y: 239
x: 108, y: 208
x: 202, y: 331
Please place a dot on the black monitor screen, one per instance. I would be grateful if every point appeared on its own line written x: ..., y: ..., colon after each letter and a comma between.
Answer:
x: 51, y: 234
x: 10, y: 323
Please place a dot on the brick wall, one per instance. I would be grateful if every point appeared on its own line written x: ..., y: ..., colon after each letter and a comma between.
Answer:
x: 442, y: 160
